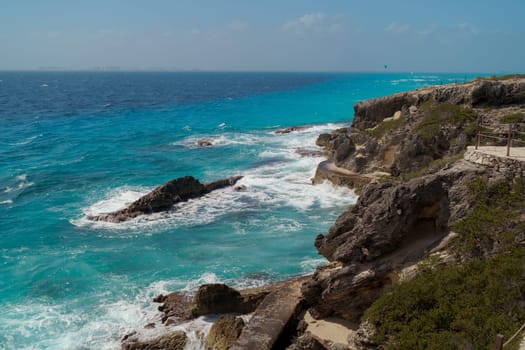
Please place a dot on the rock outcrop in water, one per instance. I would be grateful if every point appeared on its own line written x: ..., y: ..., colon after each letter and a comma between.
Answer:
x: 164, y: 197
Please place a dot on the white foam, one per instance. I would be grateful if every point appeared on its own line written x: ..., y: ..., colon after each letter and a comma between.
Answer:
x: 22, y: 177
x: 8, y: 201
x: 28, y: 140
x: 285, y: 183
x: 43, y: 324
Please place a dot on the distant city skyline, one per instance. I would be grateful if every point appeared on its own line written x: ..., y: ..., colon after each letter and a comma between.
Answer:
x: 293, y: 35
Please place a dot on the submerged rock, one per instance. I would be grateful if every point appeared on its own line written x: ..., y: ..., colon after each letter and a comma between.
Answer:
x: 164, y: 197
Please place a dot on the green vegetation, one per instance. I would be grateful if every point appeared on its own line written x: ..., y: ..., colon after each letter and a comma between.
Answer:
x: 513, y: 118
x: 445, y: 115
x: 385, y: 126
x: 455, y: 307
x: 494, y: 223
x: 503, y: 77
x: 436, y: 165
x: 464, y: 306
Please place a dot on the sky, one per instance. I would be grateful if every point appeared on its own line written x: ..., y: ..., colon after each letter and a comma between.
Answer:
x: 270, y: 35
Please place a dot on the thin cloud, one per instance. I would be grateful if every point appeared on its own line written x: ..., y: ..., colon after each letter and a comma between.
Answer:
x: 469, y: 28
x: 395, y: 27
x: 317, y: 22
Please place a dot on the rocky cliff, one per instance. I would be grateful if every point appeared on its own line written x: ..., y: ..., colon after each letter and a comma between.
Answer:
x: 405, y: 132
x: 418, y: 199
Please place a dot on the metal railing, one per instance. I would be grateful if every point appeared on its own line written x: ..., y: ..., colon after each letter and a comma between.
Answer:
x: 507, y: 133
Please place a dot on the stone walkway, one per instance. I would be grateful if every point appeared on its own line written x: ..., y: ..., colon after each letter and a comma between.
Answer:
x: 501, y: 151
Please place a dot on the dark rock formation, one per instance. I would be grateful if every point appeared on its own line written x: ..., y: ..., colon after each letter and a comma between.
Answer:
x: 173, y: 341
x: 164, y: 197
x: 218, y: 299
x: 390, y: 227
x: 224, y: 332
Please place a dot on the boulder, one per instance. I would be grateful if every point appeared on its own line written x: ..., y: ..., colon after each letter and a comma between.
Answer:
x: 174, y: 306
x: 224, y: 332
x: 164, y: 197
x: 217, y: 298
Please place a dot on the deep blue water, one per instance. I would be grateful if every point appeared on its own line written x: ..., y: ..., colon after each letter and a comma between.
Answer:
x: 73, y: 144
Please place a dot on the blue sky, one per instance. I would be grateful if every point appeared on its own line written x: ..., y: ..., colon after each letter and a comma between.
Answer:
x: 270, y: 35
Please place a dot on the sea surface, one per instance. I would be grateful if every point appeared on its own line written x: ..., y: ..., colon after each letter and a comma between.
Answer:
x: 80, y: 143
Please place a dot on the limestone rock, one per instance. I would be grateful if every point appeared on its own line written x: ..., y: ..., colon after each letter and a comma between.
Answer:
x: 172, y: 341
x: 389, y: 227
x: 224, y: 332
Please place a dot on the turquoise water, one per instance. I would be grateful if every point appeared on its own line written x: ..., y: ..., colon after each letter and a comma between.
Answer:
x: 74, y: 144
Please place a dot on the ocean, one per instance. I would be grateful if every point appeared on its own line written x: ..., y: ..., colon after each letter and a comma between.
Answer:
x: 79, y: 143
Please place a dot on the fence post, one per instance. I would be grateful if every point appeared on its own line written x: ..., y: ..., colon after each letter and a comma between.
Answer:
x: 479, y: 130
x: 509, y: 140
x: 499, y: 342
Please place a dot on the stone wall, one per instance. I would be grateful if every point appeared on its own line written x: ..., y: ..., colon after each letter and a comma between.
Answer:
x: 508, y: 166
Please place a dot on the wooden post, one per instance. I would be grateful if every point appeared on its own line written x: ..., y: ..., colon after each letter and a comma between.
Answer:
x: 499, y: 342
x: 479, y: 130
x: 509, y: 140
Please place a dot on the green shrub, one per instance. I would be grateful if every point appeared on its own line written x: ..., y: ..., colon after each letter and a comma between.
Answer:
x: 513, y: 118
x: 493, y: 224
x: 385, y: 126
x: 454, y: 307
x: 445, y: 115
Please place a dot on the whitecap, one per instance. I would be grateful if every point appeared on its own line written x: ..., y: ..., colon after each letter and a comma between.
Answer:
x: 44, y: 85
x: 22, y: 177
x: 8, y: 201
x: 283, y: 183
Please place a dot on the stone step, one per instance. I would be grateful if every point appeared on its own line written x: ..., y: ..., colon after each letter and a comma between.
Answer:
x: 271, y: 317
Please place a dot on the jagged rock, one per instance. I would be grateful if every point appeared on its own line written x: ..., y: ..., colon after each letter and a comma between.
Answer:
x: 172, y: 341
x: 389, y: 227
x: 164, y: 197
x: 367, y: 149
x: 305, y: 342
x: 363, y: 339
x: 217, y: 298
x: 175, y: 305
x: 323, y: 140
x: 224, y: 332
